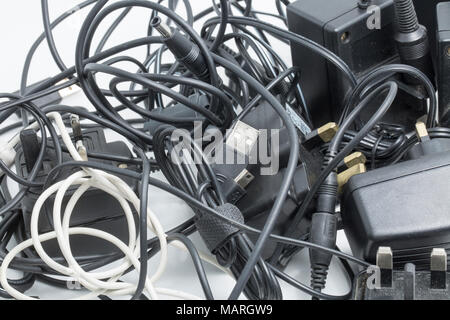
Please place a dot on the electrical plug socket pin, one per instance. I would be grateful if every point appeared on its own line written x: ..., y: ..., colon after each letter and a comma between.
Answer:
x: 385, y: 261
x: 439, y: 269
x: 410, y: 282
x: 352, y: 160
x: 422, y: 132
x: 346, y: 175
x: 328, y: 131
x: 324, y: 134
x: 355, y: 159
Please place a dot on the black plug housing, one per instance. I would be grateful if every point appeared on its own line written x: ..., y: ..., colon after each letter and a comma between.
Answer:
x: 324, y: 233
x: 427, y: 146
x: 412, y: 40
x: 260, y: 195
x: 254, y: 193
x: 404, y: 206
x: 96, y: 209
x: 184, y: 50
x: 443, y: 49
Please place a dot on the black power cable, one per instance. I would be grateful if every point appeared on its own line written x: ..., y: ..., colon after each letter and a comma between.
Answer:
x: 254, y: 72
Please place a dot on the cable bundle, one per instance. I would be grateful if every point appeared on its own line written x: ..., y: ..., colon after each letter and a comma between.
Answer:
x: 254, y: 72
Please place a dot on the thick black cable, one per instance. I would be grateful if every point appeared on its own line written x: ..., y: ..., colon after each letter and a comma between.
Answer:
x: 192, y: 201
x: 143, y: 194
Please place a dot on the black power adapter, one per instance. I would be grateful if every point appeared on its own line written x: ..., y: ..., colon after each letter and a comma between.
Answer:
x: 404, y: 206
x: 443, y: 48
x: 96, y: 209
x: 341, y: 27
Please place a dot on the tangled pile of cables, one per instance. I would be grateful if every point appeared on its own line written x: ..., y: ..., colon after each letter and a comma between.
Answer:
x: 216, y: 76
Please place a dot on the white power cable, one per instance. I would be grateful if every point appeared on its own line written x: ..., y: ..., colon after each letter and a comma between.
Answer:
x: 98, y: 283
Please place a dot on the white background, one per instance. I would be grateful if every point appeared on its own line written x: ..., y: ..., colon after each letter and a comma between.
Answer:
x: 21, y: 24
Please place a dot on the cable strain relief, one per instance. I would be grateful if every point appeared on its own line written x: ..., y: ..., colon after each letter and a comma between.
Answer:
x: 406, y: 16
x: 329, y: 156
x: 319, y: 276
x: 328, y: 190
x: 327, y: 194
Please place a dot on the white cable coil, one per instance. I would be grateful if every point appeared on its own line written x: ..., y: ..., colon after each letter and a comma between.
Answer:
x: 98, y: 283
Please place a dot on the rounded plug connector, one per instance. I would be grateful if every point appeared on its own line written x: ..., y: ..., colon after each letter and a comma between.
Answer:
x: 184, y: 50
x: 323, y: 233
x: 412, y: 41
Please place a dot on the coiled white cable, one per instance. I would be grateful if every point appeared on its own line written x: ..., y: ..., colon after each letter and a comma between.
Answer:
x: 98, y: 283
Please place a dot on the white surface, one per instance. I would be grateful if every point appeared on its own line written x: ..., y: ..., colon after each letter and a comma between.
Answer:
x: 20, y: 25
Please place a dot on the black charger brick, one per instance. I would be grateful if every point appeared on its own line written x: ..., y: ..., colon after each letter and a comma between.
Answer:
x: 404, y: 206
x: 443, y: 38
x: 341, y: 27
x: 95, y: 209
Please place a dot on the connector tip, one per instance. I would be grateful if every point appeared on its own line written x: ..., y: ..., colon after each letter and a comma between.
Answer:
x: 161, y: 27
x: 422, y: 132
x: 328, y: 131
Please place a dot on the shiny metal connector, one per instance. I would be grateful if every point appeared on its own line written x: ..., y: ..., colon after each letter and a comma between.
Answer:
x: 243, y: 138
x: 244, y: 179
x: 439, y: 269
x: 76, y: 127
x: 385, y: 261
x: 161, y: 27
x: 422, y: 132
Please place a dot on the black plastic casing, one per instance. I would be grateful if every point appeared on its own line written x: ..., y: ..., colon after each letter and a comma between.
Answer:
x: 341, y: 27
x: 257, y: 199
x: 432, y: 146
x: 404, y: 206
x: 260, y: 197
x: 443, y: 49
x: 96, y: 209
x: 426, y: 13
